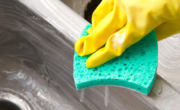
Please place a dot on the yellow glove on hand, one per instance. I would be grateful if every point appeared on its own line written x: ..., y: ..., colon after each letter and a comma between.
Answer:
x: 118, y: 24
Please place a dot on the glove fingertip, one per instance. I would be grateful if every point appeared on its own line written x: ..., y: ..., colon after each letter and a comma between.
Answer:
x: 89, y: 30
x: 79, y: 46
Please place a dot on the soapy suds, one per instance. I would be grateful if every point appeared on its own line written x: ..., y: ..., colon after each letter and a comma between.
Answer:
x: 118, y: 39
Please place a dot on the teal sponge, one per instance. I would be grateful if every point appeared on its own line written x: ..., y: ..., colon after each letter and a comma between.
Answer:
x: 134, y: 69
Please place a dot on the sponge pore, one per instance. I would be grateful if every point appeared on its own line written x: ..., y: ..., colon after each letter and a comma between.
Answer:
x: 134, y: 69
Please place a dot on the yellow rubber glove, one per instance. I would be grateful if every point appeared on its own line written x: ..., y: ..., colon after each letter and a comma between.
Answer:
x: 118, y: 24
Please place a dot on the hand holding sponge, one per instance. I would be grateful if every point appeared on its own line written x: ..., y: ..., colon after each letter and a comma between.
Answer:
x: 118, y: 24
x: 134, y: 69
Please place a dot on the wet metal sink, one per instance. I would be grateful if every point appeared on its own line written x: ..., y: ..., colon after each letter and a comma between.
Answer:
x: 36, y: 62
x: 35, y: 57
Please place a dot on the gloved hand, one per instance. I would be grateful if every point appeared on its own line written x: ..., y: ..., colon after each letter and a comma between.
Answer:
x: 118, y: 24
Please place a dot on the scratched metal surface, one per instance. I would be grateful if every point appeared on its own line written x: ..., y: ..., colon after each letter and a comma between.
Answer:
x: 169, y: 60
x: 36, y: 63
x: 32, y: 61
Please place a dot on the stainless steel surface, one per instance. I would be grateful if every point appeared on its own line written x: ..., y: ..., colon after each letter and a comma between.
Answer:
x: 36, y: 62
x: 78, y: 6
x: 169, y: 60
x: 11, y: 100
x: 35, y: 58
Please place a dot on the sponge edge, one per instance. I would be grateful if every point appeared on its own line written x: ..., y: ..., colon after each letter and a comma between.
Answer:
x: 134, y: 69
